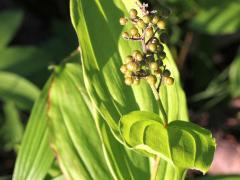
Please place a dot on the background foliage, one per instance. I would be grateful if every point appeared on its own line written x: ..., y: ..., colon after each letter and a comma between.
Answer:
x: 204, y: 39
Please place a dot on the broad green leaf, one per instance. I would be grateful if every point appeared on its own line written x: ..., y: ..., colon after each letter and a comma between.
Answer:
x: 79, y: 136
x: 181, y: 143
x: 17, y: 89
x: 222, y: 19
x: 35, y: 156
x: 10, y: 20
x: 11, y: 131
x: 234, y: 77
x: 102, y: 52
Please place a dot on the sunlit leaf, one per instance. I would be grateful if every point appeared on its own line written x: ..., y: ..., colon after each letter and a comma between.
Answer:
x: 35, y: 156
x: 181, y: 143
x: 79, y: 151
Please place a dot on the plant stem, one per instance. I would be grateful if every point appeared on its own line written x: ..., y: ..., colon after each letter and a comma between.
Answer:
x: 160, y: 105
x: 155, y: 168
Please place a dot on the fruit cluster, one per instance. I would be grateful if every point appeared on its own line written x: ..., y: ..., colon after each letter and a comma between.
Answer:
x: 147, y: 64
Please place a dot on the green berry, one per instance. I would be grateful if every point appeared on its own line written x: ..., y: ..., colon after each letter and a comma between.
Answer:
x: 160, y: 47
x: 128, y: 59
x: 162, y: 55
x: 166, y: 73
x: 133, y: 31
x: 158, y: 72
x: 132, y: 66
x: 136, y: 81
x: 155, y: 19
x: 155, y: 40
x: 138, y: 56
x: 160, y: 62
x: 135, y: 52
x: 168, y: 80
x: 164, y: 38
x: 127, y: 74
x: 152, y: 47
x: 124, y: 68
x: 146, y: 19
x: 161, y: 24
x: 149, y: 32
x: 128, y: 81
x: 123, y: 21
x: 154, y: 66
x: 140, y: 24
x: 125, y: 35
x: 151, y: 79
x: 133, y: 13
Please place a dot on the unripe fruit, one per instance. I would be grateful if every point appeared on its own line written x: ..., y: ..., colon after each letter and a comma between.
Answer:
x: 132, y: 66
x: 154, y: 66
x: 124, y: 68
x: 155, y: 40
x: 151, y: 79
x: 123, y: 21
x: 158, y: 72
x: 161, y: 24
x: 125, y: 35
x: 149, y: 32
x: 160, y: 62
x: 168, y: 80
x: 128, y: 74
x: 133, y: 13
x: 137, y: 35
x: 166, y: 73
x: 128, y: 81
x: 162, y: 55
x: 160, y: 47
x: 136, y: 81
x: 138, y: 56
x: 135, y: 52
x: 152, y: 47
x: 134, y: 31
x: 128, y: 59
x: 164, y: 38
x: 140, y: 24
x: 155, y: 19
x: 146, y: 19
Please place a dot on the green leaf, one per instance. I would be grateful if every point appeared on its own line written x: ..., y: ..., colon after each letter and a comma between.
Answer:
x: 222, y: 19
x: 181, y: 143
x: 234, y: 77
x: 17, y: 89
x: 35, y: 156
x: 11, y: 131
x: 81, y: 144
x: 10, y: 20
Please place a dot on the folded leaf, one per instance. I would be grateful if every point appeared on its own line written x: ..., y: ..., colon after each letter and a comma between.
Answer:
x: 181, y: 143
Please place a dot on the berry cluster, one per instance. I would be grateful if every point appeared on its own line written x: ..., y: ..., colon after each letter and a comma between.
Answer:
x: 148, y: 64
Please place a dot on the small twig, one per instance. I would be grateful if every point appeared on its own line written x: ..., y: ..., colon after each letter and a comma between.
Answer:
x: 184, y: 50
x: 133, y: 38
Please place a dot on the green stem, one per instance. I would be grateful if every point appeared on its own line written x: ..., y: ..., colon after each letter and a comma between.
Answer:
x: 160, y: 105
x: 155, y: 168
